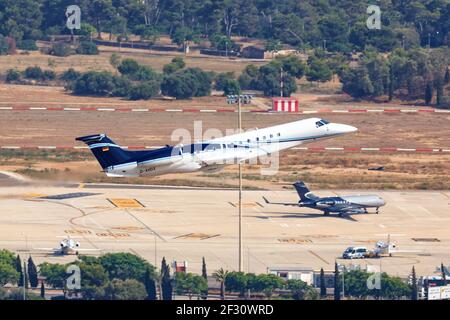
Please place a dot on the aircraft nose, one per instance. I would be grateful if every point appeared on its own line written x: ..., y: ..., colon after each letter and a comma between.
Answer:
x: 343, y: 128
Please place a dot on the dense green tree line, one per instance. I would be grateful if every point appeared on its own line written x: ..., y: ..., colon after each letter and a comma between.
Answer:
x: 413, y: 74
x: 337, y: 25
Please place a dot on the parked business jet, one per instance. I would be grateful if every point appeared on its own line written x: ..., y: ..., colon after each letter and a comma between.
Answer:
x: 67, y: 246
x: 209, y: 155
x: 343, y: 205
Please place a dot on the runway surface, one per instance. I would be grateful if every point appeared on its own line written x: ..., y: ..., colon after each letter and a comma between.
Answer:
x: 186, y: 224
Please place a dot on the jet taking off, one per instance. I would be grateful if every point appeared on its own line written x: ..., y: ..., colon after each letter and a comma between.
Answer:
x: 211, y: 155
x: 344, y: 205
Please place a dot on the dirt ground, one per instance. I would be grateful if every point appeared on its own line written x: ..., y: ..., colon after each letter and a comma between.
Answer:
x: 333, y: 169
x: 34, y: 128
x: 101, y: 62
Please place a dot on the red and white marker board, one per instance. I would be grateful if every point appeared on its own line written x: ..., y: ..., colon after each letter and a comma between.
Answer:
x: 285, y: 105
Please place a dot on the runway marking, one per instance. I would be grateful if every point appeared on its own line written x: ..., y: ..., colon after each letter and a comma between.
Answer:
x: 441, y: 150
x: 295, y: 241
x: 222, y: 110
x: 126, y: 203
x: 145, y: 225
x: 200, y: 236
x: 245, y: 204
x: 318, y: 257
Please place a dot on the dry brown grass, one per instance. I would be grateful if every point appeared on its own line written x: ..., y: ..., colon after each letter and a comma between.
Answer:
x: 101, y: 62
x: 325, y: 170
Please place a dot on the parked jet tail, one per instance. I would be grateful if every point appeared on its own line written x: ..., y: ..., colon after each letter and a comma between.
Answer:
x: 304, y: 192
x: 107, y: 152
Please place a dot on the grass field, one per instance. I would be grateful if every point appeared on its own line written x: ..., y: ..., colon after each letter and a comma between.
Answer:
x: 101, y: 62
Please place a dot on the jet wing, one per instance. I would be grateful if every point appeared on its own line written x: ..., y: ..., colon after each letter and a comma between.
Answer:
x: 294, y: 204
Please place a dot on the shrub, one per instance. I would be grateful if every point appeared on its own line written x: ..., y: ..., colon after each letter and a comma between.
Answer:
x: 35, y: 73
x: 144, y: 90
x: 70, y: 75
x: 28, y: 45
x: 187, y: 83
x: 94, y: 83
x: 122, y: 86
x: 87, y: 47
x: 128, y: 66
x: 231, y: 86
x: 49, y: 75
x: 4, y: 47
x: 12, y: 75
x: 221, y: 78
x: 61, y: 49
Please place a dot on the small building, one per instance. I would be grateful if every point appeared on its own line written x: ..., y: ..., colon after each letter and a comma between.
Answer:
x: 255, y: 52
x: 293, y: 273
x: 285, y: 105
x: 180, y: 266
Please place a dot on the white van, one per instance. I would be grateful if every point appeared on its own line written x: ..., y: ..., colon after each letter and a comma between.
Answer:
x: 355, y: 253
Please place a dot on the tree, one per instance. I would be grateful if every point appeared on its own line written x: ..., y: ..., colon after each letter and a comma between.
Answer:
x: 166, y: 282
x: 337, y: 283
x: 301, y: 290
x: 393, y: 287
x: 94, y: 279
x: 61, y: 49
x: 323, y: 288
x: 144, y: 91
x: 54, y: 273
x: 88, y: 48
x: 219, y: 79
x: 70, y: 75
x: 292, y: 65
x: 231, y: 86
x: 128, y: 66
x: 100, y: 12
x: 236, y: 281
x: 428, y: 93
x: 356, y: 283
x: 318, y: 70
x: 439, y: 84
x: 447, y: 76
x: 129, y: 289
x: 125, y: 266
x: 187, y: 83
x: 114, y: 60
x: 99, y: 83
x: 413, y: 284
x: 42, y: 294
x: 357, y: 83
x: 274, y: 46
x: 32, y: 273
x: 190, y: 284
x: 205, y: 276
x: 4, y: 46
x: 176, y: 64
x: 150, y: 285
x: 269, y: 81
x: 221, y: 276
x: 35, y: 73
x: 443, y: 272
x: 12, y: 75
x: 18, y: 265
x: 267, y: 283
x: 8, y: 274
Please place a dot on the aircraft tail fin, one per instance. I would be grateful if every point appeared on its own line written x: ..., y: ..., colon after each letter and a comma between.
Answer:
x: 303, y: 191
x: 105, y: 150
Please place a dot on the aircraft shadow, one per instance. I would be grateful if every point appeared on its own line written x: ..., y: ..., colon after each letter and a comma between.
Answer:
x: 284, y: 215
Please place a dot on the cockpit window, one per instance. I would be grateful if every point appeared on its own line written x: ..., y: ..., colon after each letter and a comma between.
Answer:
x: 321, y: 123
